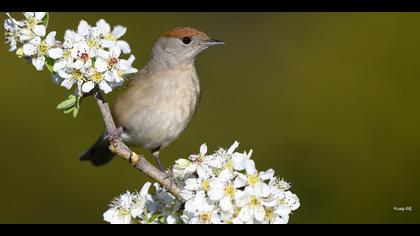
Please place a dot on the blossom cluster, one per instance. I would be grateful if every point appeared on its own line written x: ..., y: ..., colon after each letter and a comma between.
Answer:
x: 221, y: 188
x: 88, y: 57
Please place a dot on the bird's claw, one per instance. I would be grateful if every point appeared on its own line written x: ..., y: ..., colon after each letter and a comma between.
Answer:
x: 116, y: 133
x: 169, y: 174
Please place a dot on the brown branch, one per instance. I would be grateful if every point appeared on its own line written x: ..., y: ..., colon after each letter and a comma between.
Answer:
x: 139, y: 162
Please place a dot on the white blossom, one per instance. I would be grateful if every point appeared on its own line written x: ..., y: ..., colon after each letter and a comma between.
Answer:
x: 89, y: 57
x: 111, y: 39
x: 39, y: 49
x: 120, y: 210
x: 228, y: 192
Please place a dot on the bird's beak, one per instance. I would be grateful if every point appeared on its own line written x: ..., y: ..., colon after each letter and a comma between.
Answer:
x: 213, y: 42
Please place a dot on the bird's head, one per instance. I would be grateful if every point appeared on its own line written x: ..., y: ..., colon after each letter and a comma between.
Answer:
x: 181, y: 45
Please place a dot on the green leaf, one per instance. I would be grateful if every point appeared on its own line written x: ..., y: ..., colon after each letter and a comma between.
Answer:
x: 68, y: 103
x: 75, y: 112
x: 154, y: 217
x: 69, y: 110
x: 71, y: 105
x: 49, y: 62
x: 78, y: 100
x: 46, y: 19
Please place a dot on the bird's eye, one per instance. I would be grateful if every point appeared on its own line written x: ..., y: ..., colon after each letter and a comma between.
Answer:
x: 186, y: 40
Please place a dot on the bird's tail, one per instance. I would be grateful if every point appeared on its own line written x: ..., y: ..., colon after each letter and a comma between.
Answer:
x: 99, y: 154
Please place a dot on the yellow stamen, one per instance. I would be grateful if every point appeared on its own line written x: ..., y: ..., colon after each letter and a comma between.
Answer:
x: 92, y: 43
x: 32, y: 22
x: 110, y: 37
x: 123, y: 212
x: 96, y: 77
x: 77, y: 75
x: 269, y: 214
x: 205, y: 184
x: 205, y: 217
x: 67, y: 54
x: 229, y: 165
x: 254, y: 202
x: 253, y: 179
x: 230, y: 191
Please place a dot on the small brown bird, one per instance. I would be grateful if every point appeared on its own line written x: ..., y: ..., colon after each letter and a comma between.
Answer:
x: 160, y: 101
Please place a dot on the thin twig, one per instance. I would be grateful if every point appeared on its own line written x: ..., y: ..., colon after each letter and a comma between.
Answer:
x: 139, y: 162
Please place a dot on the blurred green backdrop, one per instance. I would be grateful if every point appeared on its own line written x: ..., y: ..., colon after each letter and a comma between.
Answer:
x: 329, y: 100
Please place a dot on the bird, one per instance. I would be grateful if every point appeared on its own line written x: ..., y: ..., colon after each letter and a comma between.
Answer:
x: 159, y: 102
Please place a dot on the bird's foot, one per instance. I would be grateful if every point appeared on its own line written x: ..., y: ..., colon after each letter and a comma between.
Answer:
x: 171, y: 177
x: 116, y: 133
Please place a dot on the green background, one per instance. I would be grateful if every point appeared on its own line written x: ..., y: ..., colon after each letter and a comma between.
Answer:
x: 329, y: 100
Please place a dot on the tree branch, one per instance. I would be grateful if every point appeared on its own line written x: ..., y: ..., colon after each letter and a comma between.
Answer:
x: 139, y: 162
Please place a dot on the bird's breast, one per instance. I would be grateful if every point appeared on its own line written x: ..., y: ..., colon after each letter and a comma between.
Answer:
x: 156, y: 108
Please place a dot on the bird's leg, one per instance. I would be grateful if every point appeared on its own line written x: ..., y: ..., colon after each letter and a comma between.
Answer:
x: 169, y: 173
x: 155, y: 154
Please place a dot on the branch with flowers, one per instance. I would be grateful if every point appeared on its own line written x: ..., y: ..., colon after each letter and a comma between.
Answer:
x: 223, y: 187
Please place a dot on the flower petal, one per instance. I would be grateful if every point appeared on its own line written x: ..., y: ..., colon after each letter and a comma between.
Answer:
x: 119, y: 31
x: 103, y: 54
x: 203, y: 149
x: 95, y: 32
x: 240, y: 181
x: 266, y: 175
x: 25, y: 35
x: 241, y: 198
x: 145, y: 189
x: 246, y: 214
x: 78, y: 64
x: 88, y: 86
x: 250, y: 167
x: 115, y: 51
x: 40, y: 15
x: 111, y: 216
x: 215, y: 194
x: 101, y: 65
x: 107, y: 43
x: 39, y: 30
x: 125, y: 47
x: 226, y: 204
x: 64, y: 75
x: 238, y: 161
x: 233, y: 147
x: 29, y: 14
x: 259, y: 214
x: 103, y: 26
x: 55, y: 53
x: 35, y: 41
x: 29, y: 49
x: 192, y: 184
x: 38, y: 62
x: 50, y: 39
x: 283, y: 210
x: 83, y: 28
x: 261, y: 190
x: 68, y: 83
x: 105, y: 87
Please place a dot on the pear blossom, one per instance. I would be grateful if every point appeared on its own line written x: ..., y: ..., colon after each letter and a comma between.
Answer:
x: 89, y: 57
x: 114, y: 69
x: 111, y: 39
x: 253, y: 201
x: 12, y: 28
x: 200, y: 211
x: 230, y: 194
x: 34, y: 23
x: 120, y: 210
x: 38, y: 49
